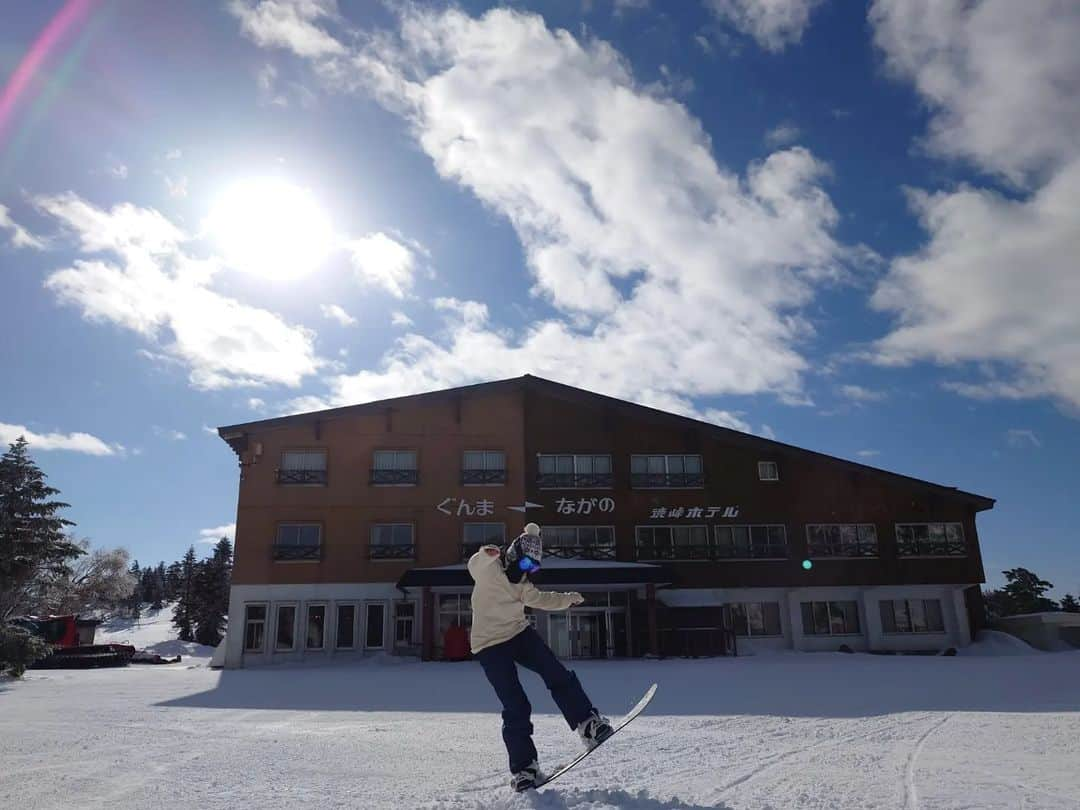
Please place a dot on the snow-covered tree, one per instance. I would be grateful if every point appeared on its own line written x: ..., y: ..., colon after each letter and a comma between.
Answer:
x: 100, y: 580
x: 33, y: 542
x: 186, y: 604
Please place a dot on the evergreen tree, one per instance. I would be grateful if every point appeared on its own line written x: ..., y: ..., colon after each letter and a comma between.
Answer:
x: 1069, y: 604
x: 159, y: 587
x: 132, y: 604
x: 1025, y: 592
x: 213, y: 588
x: 997, y: 604
x: 185, y: 610
x: 33, y: 543
x: 172, y: 582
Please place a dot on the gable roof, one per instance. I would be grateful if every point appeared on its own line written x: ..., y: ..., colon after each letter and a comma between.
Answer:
x: 235, y: 435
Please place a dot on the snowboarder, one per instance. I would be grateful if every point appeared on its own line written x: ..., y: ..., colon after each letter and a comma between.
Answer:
x: 502, y: 638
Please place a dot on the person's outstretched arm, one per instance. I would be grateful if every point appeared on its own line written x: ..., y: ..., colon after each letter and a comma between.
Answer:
x: 549, y: 600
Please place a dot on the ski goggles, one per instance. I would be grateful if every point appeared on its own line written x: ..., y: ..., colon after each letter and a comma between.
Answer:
x: 528, y: 564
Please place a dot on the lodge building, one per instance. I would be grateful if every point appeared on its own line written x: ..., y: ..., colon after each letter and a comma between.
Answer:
x: 353, y: 526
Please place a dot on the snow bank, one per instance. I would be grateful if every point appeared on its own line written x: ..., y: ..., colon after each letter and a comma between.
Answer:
x: 995, y: 642
x: 152, y: 631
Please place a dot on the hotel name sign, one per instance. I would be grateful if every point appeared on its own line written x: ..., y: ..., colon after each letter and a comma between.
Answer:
x: 484, y: 507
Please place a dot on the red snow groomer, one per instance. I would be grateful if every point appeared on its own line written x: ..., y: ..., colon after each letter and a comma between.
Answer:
x: 72, y: 642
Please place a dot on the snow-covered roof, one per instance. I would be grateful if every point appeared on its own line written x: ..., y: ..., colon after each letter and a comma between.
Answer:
x: 1054, y: 617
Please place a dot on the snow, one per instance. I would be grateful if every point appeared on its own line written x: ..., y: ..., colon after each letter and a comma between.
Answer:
x: 794, y: 730
x: 152, y: 631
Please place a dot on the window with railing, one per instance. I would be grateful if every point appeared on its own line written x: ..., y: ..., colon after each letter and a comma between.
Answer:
x: 574, y: 471
x: 483, y: 467
x: 391, y: 541
x: 394, y: 467
x: 756, y: 619
x: 911, y: 616
x: 580, y: 542
x: 930, y: 540
x: 666, y: 472
x: 768, y: 541
x: 673, y: 543
x: 302, y: 467
x: 475, y: 535
x: 830, y: 618
x: 841, y: 540
x: 298, y: 541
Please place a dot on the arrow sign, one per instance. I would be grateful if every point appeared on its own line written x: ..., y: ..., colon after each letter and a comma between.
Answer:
x: 528, y: 505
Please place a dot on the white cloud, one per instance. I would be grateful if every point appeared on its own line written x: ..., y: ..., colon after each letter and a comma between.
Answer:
x: 382, y: 262
x: 782, y: 135
x: 336, y: 313
x: 996, y: 283
x: 20, y: 237
x: 671, y: 277
x: 151, y: 286
x: 1020, y: 437
x: 726, y: 419
x: 212, y: 536
x: 860, y: 394
x: 169, y: 433
x: 210, y: 431
x: 176, y: 186
x: 400, y: 319
x: 174, y: 154
x: 73, y: 442
x: 630, y: 5
x: 119, y: 171
x: 256, y: 404
x: 868, y: 453
x: 775, y: 24
x: 288, y: 24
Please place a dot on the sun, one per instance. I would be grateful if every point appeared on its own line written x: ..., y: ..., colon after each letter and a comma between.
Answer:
x: 270, y: 228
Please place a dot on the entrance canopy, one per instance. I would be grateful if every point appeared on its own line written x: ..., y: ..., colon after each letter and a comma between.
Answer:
x: 555, y: 572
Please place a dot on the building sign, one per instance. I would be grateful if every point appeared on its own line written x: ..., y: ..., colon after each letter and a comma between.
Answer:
x: 483, y: 507
x: 693, y: 512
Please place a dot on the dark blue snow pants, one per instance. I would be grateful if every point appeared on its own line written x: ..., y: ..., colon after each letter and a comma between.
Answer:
x: 500, y: 665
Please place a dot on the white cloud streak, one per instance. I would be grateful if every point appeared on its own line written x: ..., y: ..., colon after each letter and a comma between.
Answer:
x: 20, y: 237
x: 380, y: 261
x: 774, y: 24
x: 336, y: 313
x: 73, y: 442
x: 212, y: 536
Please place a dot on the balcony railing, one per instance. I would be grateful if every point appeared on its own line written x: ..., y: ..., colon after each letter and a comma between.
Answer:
x: 931, y: 548
x: 561, y: 552
x: 667, y: 480
x: 301, y: 476
x: 390, y: 551
x: 676, y: 552
x: 575, y: 480
x: 394, y: 477
x: 849, y: 549
x: 767, y: 551
x: 483, y: 476
x: 291, y: 551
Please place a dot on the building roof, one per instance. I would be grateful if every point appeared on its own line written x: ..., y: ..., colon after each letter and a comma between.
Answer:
x: 554, y: 572
x: 236, y: 434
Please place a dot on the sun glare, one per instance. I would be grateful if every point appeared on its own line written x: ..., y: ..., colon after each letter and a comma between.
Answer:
x: 270, y: 228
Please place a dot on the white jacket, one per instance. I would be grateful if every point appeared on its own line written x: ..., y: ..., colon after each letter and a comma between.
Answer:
x: 498, y: 605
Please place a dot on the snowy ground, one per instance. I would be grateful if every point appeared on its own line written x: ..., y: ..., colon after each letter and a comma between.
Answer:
x: 821, y: 730
x: 152, y: 631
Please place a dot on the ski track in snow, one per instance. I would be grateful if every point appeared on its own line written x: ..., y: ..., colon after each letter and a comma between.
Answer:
x: 803, y: 732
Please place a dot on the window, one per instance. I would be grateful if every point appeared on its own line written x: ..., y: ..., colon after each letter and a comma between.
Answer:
x: 574, y: 471
x: 404, y: 622
x: 830, y: 618
x: 254, y: 628
x: 673, y: 543
x: 482, y: 534
x: 841, y: 540
x: 751, y: 542
x: 484, y: 467
x: 930, y: 540
x: 302, y: 467
x: 316, y: 627
x: 346, y: 627
x: 298, y: 541
x: 911, y: 616
x: 376, y: 619
x: 286, y: 628
x: 583, y: 542
x: 754, y: 619
x: 768, y: 471
x: 455, y: 610
x: 394, y: 467
x: 391, y: 541
x: 666, y: 472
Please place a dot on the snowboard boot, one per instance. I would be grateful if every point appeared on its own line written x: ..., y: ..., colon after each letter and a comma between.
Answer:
x: 594, y: 729
x: 526, y: 778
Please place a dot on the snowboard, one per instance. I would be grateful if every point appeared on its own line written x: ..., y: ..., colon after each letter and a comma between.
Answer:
x: 616, y: 728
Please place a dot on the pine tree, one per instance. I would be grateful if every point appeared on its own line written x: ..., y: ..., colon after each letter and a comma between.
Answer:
x: 172, y: 582
x: 33, y: 543
x: 1025, y: 592
x: 186, y: 605
x: 1070, y: 604
x: 159, y: 587
x: 133, y: 604
x: 213, y: 603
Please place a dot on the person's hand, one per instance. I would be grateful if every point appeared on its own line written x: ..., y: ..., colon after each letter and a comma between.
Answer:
x: 576, y: 599
x: 491, y: 551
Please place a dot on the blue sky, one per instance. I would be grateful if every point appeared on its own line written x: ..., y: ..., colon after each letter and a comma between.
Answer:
x: 849, y: 226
